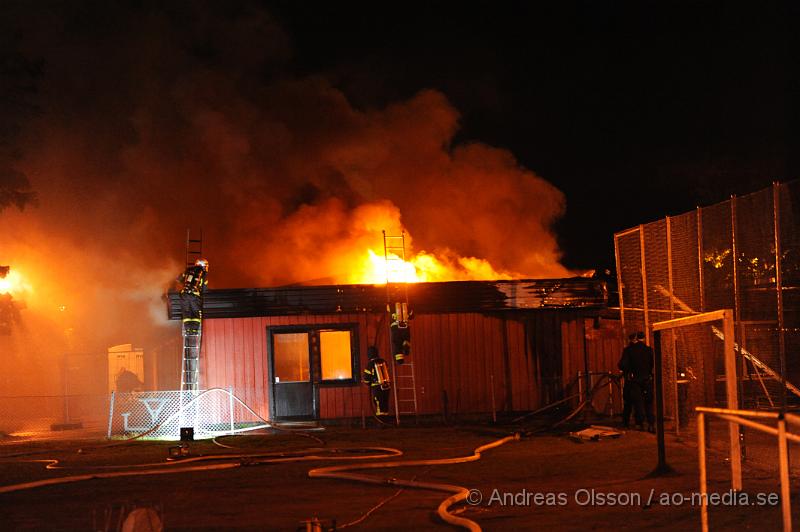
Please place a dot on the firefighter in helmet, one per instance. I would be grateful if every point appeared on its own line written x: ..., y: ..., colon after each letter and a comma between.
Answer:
x: 193, y: 284
x: 376, y: 375
x: 400, y: 332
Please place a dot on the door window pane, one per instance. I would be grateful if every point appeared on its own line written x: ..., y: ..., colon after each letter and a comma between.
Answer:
x: 291, y: 357
x: 335, y: 355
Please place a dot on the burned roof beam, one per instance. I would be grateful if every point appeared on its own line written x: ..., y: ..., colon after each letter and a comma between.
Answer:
x: 455, y: 296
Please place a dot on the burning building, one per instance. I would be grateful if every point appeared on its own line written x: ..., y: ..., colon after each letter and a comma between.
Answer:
x: 297, y: 352
x: 292, y: 180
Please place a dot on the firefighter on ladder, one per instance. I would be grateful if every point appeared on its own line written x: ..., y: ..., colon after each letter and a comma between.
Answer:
x: 194, y: 281
x: 376, y: 375
x: 400, y: 333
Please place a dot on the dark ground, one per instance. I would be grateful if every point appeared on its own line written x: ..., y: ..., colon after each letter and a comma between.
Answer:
x: 280, y: 496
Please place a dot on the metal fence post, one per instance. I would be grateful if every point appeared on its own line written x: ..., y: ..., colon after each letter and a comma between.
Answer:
x: 111, y: 412
x: 701, y: 459
x: 662, y: 467
x: 700, y: 259
x: 735, y: 252
x: 620, y: 288
x: 673, y: 344
x: 737, y: 307
x: 644, y: 283
x: 731, y: 393
x: 230, y: 408
x: 779, y: 288
x: 783, y: 458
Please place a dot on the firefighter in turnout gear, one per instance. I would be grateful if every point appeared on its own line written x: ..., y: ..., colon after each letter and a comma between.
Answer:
x: 194, y: 281
x: 400, y: 332
x: 376, y: 375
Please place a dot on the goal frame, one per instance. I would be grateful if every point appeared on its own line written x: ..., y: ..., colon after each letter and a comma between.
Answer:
x: 731, y: 390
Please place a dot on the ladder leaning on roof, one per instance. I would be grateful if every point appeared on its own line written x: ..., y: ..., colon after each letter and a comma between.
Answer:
x: 190, y: 368
x: 194, y: 247
x: 405, y: 384
x: 405, y: 390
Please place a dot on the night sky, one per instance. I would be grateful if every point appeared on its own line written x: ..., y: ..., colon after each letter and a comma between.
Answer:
x: 633, y: 110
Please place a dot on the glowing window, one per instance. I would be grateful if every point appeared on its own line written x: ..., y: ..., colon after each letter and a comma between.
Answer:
x: 291, y: 357
x: 335, y: 355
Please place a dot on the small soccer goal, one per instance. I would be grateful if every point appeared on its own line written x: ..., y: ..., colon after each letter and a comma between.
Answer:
x: 702, y: 376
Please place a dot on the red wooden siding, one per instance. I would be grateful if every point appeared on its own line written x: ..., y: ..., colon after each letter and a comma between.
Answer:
x: 527, y: 360
x: 601, y: 342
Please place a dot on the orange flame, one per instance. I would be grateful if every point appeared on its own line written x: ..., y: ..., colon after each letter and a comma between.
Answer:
x: 375, y: 268
x: 14, y: 283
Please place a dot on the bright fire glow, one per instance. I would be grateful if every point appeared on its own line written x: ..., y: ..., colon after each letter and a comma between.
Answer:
x: 391, y: 268
x: 422, y: 267
x: 14, y: 284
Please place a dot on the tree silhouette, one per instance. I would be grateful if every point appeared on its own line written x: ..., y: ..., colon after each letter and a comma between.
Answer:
x: 18, y: 84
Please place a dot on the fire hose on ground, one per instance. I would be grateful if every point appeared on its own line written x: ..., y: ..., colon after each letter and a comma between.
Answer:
x: 459, y: 492
x: 177, y: 466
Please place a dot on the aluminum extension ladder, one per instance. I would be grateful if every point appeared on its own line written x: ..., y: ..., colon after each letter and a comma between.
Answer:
x: 190, y: 366
x: 194, y: 247
x: 405, y: 384
x: 394, y: 253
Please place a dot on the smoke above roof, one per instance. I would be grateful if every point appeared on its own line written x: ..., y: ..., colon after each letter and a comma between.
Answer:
x: 153, y: 120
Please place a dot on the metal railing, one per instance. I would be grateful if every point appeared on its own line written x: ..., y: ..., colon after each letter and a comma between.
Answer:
x: 746, y: 418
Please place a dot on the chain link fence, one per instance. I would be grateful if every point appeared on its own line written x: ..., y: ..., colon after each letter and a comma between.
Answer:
x: 742, y: 254
x: 30, y: 415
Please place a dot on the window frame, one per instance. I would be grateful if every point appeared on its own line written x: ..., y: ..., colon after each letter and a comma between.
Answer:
x: 273, y: 368
x: 313, y: 330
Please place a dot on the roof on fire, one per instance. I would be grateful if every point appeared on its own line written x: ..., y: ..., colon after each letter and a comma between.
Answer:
x: 453, y: 296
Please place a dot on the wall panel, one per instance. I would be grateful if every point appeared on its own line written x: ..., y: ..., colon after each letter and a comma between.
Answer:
x: 457, y: 353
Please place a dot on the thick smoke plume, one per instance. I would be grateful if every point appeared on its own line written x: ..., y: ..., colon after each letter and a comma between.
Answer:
x: 152, y: 122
